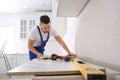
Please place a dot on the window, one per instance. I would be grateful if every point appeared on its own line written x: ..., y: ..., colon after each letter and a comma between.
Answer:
x: 31, y: 24
x: 23, y: 30
x: 25, y: 27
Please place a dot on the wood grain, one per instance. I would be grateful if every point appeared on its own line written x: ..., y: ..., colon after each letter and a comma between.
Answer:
x: 88, y: 71
x: 45, y: 67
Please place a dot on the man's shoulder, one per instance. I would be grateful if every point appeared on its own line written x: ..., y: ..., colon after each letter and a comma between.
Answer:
x: 34, y: 28
x: 52, y: 29
x: 53, y: 32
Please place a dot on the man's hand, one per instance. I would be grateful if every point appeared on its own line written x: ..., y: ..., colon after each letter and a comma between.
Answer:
x: 32, y: 49
x: 39, y: 55
x: 71, y: 54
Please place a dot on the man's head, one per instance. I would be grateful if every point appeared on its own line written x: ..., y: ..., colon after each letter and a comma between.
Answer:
x: 45, y: 23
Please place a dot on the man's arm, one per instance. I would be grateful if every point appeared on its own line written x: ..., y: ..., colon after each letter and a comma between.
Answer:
x: 62, y: 43
x: 32, y: 49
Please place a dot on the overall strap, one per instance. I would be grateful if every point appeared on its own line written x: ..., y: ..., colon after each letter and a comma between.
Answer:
x: 41, y: 34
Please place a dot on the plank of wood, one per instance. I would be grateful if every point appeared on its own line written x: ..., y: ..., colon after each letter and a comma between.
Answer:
x: 66, y: 77
x: 45, y: 67
x: 88, y: 71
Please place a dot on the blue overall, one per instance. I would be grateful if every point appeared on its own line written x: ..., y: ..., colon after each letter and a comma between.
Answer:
x: 40, y: 48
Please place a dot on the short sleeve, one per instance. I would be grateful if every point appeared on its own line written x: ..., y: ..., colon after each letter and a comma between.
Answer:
x: 54, y: 33
x: 32, y: 34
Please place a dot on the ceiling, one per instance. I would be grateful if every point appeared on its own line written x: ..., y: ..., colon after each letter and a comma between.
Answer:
x: 71, y: 8
x: 25, y: 6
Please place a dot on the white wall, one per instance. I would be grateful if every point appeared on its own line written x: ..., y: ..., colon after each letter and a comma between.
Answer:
x: 69, y: 37
x: 7, y: 34
x: 98, y: 31
x: 8, y: 24
x: 60, y: 26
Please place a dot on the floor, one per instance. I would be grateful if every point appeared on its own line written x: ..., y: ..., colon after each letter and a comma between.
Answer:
x: 5, y: 77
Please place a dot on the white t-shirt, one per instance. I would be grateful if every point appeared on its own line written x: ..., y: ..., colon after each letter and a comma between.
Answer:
x: 34, y: 35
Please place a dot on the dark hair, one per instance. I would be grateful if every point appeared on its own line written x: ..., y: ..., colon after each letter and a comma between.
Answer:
x: 45, y: 19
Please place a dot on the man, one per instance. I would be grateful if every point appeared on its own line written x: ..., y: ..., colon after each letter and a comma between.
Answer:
x: 39, y: 36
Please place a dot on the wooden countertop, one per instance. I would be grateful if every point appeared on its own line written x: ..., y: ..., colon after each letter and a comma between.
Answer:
x: 45, y: 67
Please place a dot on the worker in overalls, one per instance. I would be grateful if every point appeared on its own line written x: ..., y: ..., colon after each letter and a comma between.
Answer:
x: 39, y: 36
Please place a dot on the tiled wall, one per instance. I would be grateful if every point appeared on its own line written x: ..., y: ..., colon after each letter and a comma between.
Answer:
x: 98, y: 31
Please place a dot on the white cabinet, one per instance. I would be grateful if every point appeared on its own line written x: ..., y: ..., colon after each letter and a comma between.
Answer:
x: 2, y: 66
x: 71, y: 8
x: 14, y: 60
x: 22, y: 58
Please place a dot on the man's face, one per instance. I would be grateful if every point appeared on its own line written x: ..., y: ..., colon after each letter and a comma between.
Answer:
x: 45, y: 27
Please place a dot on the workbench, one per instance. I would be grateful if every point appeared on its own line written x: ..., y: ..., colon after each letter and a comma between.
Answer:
x: 47, y: 68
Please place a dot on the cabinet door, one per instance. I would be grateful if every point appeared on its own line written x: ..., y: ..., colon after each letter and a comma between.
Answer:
x: 2, y: 66
x: 22, y: 58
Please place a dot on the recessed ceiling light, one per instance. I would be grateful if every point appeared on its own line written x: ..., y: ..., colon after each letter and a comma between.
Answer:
x: 25, y: 6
